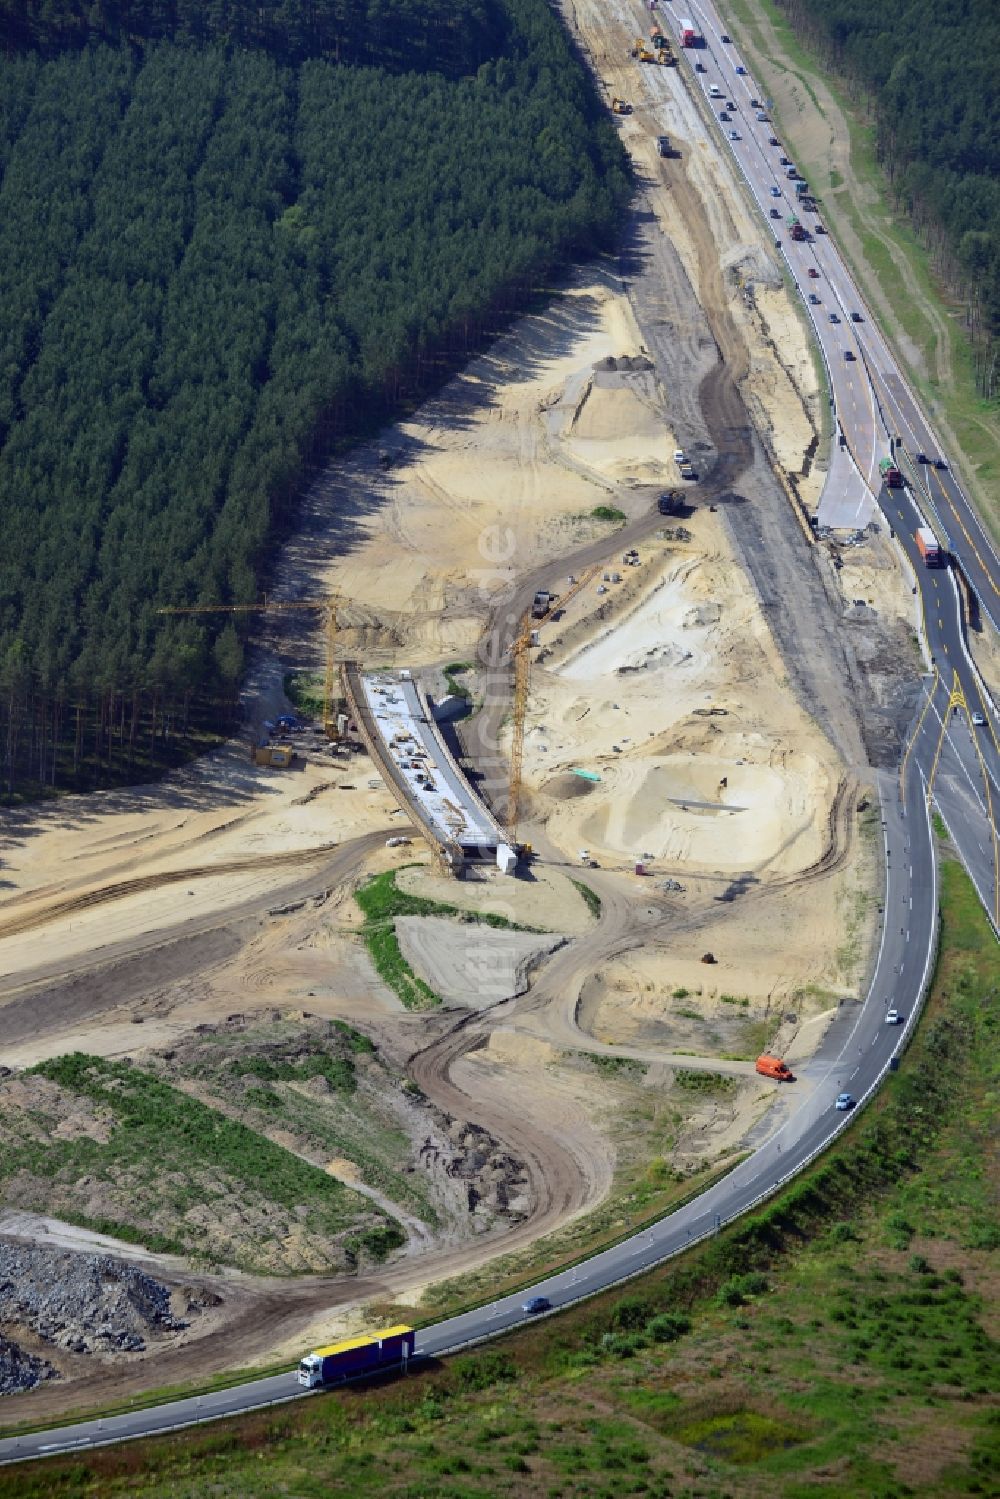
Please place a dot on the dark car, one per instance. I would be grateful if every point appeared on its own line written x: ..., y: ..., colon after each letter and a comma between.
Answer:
x: 699, y: 67
x: 724, y: 114
x: 856, y: 317
x: 848, y: 356
x: 940, y: 463
x: 922, y: 458
x: 725, y: 38
x: 814, y: 299
x: 776, y: 213
x: 535, y: 1304
x: 773, y: 140
x: 834, y: 318
x: 663, y: 145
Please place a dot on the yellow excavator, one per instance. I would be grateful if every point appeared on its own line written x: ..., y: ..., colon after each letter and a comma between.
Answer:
x: 620, y: 107
x: 642, y: 52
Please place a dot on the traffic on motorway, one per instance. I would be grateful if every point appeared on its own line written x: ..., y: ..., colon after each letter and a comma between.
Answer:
x: 886, y: 437
x: 873, y: 404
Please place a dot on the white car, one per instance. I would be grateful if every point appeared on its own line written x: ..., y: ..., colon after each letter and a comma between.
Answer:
x: 775, y: 192
x: 979, y: 720
x: 893, y: 1017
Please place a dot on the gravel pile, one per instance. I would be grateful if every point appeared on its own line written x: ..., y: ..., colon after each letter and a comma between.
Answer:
x: 20, y: 1371
x: 86, y: 1303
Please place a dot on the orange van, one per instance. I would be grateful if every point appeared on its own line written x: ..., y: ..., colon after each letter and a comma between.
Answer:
x: 774, y: 1067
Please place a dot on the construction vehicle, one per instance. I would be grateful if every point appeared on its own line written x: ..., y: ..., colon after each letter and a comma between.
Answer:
x: 541, y: 604
x: 671, y: 502
x: 620, y: 107
x: 641, y: 52
x: 928, y: 547
x: 275, y: 606
x: 277, y: 756
x: 891, y: 475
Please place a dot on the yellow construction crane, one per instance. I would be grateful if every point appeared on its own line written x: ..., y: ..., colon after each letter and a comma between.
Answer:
x: 522, y: 678
x: 278, y: 606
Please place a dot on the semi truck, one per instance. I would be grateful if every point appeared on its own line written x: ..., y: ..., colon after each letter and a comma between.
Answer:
x: 690, y: 36
x: 927, y: 546
x: 802, y: 189
x: 890, y: 474
x: 354, y: 1357
x: 795, y: 229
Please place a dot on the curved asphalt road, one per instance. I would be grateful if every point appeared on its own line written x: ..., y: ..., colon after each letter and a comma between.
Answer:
x: 859, y: 1046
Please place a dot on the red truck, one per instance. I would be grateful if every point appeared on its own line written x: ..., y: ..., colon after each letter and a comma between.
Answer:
x: 797, y: 230
x: 690, y: 37
x: 927, y: 546
x: 890, y: 474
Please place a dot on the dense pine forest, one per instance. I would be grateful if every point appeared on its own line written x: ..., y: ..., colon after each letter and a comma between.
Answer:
x: 929, y: 74
x: 452, y: 36
x: 217, y: 261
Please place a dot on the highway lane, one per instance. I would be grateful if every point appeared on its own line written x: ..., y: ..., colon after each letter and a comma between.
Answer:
x: 860, y: 1047
x: 873, y: 406
x: 856, y: 1055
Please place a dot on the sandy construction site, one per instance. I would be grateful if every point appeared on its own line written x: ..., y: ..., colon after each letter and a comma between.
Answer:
x: 670, y: 726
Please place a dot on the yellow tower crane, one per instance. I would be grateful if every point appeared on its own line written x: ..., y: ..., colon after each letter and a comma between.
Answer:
x: 522, y: 680
x: 278, y: 606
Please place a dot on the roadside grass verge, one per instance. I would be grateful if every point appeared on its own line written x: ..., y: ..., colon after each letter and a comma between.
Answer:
x: 798, y: 1353
x: 381, y: 901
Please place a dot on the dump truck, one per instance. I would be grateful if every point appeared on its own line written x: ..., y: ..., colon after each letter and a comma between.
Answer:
x: 690, y: 36
x: 774, y: 1067
x: 541, y: 604
x: 928, y: 547
x: 354, y: 1357
x: 891, y: 475
x: 670, y: 502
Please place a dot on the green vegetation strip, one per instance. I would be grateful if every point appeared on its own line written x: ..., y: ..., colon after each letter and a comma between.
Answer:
x: 382, y: 901
x: 591, y: 897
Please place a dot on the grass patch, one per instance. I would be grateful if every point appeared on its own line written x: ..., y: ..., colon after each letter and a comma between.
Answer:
x: 695, y: 1081
x: 381, y: 901
x: 608, y: 513
x: 305, y: 690
x: 591, y: 897
x: 452, y: 672
x: 165, y: 1155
